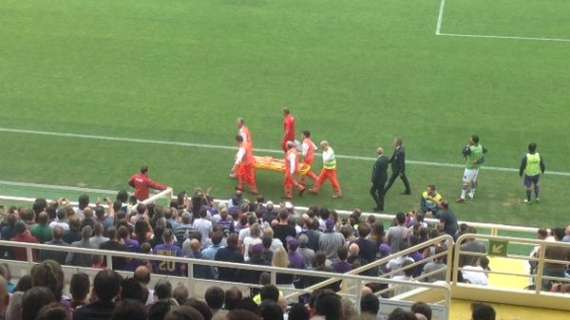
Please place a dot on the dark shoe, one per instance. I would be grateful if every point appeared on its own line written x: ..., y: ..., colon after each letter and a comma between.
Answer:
x: 302, y: 191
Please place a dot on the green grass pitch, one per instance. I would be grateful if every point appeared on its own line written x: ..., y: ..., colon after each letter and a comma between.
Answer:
x: 356, y: 73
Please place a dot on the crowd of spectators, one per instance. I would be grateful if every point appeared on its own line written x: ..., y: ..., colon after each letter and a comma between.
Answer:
x: 40, y: 296
x: 257, y: 233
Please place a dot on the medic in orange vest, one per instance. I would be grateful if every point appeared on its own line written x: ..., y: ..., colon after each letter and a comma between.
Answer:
x: 288, y: 128
x: 328, y: 172
x: 244, y: 132
x: 308, y: 152
x: 291, y: 170
x: 244, y: 167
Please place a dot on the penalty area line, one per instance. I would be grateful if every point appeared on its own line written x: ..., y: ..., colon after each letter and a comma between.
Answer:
x: 223, y: 147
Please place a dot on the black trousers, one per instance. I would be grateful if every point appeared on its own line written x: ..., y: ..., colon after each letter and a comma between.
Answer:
x: 377, y: 192
x: 402, y: 175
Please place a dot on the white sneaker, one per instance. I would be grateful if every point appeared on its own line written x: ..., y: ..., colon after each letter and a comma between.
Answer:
x: 471, y: 196
x: 525, y: 200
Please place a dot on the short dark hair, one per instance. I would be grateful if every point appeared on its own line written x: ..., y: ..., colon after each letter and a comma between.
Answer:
x: 399, y: 314
x: 363, y: 230
x: 163, y: 290
x: 34, y: 299
x: 129, y: 309
x: 532, y: 147
x: 52, y: 311
x: 133, y: 290
x: 232, y: 298
x: 79, y: 286
x: 214, y: 297
x: 48, y: 274
x: 328, y: 304
x: 400, y: 217
x: 269, y: 292
x: 159, y: 310
x: 270, y: 310
x: 298, y: 311
x: 370, y: 304
x: 184, y: 313
x: 241, y: 314
x: 201, y: 307
x: 106, y: 285
x: 482, y: 311
x: 475, y: 138
x: 307, y: 133
x: 83, y: 201
x: 342, y: 253
x: 422, y: 308
x: 144, y: 169
x: 239, y: 138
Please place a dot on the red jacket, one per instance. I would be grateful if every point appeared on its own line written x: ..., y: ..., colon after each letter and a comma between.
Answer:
x: 143, y: 184
x: 20, y: 253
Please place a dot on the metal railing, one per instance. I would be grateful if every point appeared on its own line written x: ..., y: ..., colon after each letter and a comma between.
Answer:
x: 447, y: 252
x: 539, y: 280
x: 190, y: 263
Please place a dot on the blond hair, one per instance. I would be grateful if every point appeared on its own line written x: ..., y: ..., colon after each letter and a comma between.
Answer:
x: 280, y: 259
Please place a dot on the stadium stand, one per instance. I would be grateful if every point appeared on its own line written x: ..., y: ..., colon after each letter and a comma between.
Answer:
x: 161, y: 255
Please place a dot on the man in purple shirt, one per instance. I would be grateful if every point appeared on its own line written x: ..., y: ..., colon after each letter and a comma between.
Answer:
x: 296, y: 259
x: 342, y: 266
x: 168, y: 248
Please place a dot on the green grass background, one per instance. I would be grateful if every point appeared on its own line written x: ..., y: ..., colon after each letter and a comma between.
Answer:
x: 356, y: 73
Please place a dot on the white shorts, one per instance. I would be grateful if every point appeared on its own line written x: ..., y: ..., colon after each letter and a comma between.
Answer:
x: 470, y: 175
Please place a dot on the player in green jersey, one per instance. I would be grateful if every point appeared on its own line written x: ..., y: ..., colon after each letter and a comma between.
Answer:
x: 474, y: 154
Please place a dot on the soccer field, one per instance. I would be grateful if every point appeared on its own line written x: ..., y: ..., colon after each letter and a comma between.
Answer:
x: 356, y: 73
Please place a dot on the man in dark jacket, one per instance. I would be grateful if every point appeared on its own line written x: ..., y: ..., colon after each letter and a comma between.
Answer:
x: 379, y: 177
x: 398, y: 162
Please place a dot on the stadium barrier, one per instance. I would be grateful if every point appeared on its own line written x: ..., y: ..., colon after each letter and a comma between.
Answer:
x: 445, y: 240
x: 528, y: 286
x: 439, y: 293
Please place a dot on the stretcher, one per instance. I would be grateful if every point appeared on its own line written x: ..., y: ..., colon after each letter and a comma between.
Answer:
x: 277, y: 165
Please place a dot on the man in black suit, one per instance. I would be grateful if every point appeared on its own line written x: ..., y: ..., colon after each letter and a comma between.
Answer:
x: 379, y: 177
x: 398, y: 162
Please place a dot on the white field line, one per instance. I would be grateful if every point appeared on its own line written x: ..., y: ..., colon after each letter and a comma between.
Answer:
x: 501, y: 37
x: 222, y: 147
x: 439, y: 25
x: 440, y: 18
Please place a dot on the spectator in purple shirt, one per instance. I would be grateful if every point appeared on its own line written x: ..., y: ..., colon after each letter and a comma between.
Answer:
x: 168, y: 248
x: 125, y: 238
x: 342, y: 266
x: 296, y: 259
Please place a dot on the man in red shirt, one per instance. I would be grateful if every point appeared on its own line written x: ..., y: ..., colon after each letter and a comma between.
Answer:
x: 291, y: 170
x: 288, y: 128
x: 142, y: 184
x: 244, y: 166
x: 308, y: 151
x: 23, y: 235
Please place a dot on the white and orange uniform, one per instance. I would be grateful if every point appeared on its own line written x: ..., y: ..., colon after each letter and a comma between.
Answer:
x: 291, y: 168
x: 245, y: 168
x: 246, y: 135
x: 328, y: 172
x: 308, y: 150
